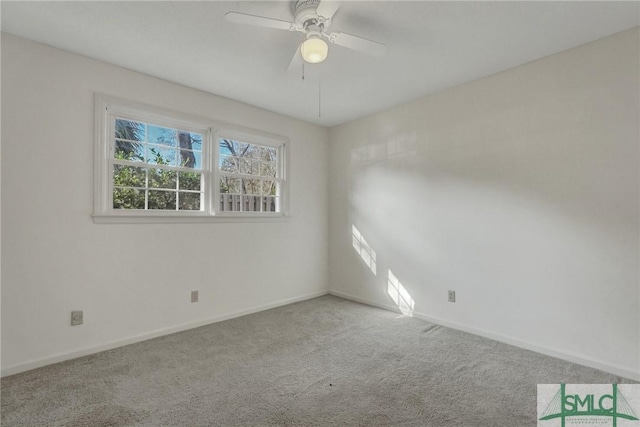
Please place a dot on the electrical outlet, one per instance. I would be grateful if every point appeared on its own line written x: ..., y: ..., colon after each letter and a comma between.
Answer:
x: 452, y: 296
x: 76, y: 318
x: 194, y: 296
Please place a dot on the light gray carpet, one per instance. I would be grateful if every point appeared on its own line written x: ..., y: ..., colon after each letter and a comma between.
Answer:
x: 322, y: 362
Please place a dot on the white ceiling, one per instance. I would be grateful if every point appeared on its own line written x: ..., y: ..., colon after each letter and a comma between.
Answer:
x: 431, y: 45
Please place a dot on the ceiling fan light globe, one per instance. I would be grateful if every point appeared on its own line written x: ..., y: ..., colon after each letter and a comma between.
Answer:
x: 314, y: 50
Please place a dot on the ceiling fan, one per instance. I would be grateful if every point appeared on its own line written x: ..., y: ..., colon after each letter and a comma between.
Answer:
x: 313, y: 18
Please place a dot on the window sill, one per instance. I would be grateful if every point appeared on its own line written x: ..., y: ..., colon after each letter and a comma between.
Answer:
x: 182, y: 219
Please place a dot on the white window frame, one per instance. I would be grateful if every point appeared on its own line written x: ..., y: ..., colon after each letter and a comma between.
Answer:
x: 107, y: 108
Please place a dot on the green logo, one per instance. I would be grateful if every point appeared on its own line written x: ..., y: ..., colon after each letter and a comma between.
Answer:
x: 565, y: 405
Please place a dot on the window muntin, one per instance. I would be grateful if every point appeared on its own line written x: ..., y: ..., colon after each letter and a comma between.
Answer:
x: 250, y: 178
x: 156, y: 167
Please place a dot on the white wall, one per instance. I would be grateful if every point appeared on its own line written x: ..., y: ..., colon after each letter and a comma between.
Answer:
x: 55, y: 259
x: 519, y: 191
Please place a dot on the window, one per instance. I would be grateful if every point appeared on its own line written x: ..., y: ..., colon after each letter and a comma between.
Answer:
x: 249, y: 178
x: 156, y: 168
x: 156, y: 165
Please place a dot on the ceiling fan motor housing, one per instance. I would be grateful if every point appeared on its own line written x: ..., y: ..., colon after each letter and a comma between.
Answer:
x: 306, y: 14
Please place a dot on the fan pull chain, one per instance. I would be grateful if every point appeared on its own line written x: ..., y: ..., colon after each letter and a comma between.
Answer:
x: 319, y: 100
x: 303, y: 71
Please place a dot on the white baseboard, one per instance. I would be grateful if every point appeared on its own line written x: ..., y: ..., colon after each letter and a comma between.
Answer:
x: 61, y: 357
x: 570, y: 357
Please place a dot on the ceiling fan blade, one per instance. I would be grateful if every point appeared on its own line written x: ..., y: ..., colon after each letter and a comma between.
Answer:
x: 327, y: 8
x: 260, y: 21
x: 295, y: 66
x: 357, y: 43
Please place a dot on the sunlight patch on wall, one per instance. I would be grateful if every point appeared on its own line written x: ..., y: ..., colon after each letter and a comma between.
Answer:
x: 400, y: 295
x: 363, y: 249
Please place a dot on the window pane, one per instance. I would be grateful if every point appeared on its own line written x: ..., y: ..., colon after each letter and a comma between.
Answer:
x: 228, y: 164
x: 254, y: 152
x: 128, y: 198
x: 230, y: 185
x: 269, y: 154
x: 162, y: 136
x: 190, y: 159
x: 255, y: 167
x: 268, y: 204
x: 268, y: 169
x: 189, y: 201
x: 251, y: 203
x: 229, y: 147
x: 190, y: 181
x: 225, y: 147
x: 190, y: 145
x: 129, y: 176
x: 242, y: 148
x: 229, y: 203
x: 128, y: 129
x: 196, y: 141
x: 162, y: 200
x: 161, y: 178
x: 126, y: 150
x: 268, y: 187
x: 244, y: 166
x: 251, y: 186
x: 161, y: 156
